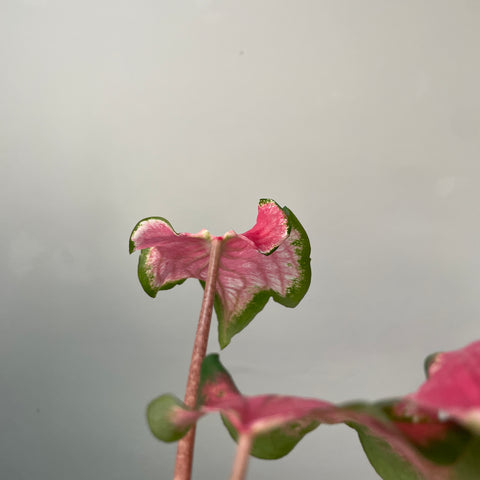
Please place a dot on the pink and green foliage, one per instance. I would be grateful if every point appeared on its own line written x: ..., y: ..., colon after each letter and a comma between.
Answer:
x: 432, y: 434
x: 272, y: 259
x: 453, y: 386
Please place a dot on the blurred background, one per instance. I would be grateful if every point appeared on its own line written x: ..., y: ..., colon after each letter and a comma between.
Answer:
x: 362, y: 117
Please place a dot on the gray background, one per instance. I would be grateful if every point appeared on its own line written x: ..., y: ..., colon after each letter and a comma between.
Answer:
x: 362, y: 117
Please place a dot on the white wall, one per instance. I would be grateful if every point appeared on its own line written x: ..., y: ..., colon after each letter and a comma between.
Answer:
x: 362, y: 117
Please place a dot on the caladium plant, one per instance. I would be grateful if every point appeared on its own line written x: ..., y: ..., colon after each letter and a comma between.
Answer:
x: 432, y: 434
x: 239, y: 273
x: 272, y: 259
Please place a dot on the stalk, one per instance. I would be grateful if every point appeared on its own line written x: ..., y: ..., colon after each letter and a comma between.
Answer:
x: 242, y: 456
x: 184, y: 460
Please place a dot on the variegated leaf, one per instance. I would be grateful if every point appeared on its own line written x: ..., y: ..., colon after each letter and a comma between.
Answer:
x: 272, y: 259
x: 400, y: 443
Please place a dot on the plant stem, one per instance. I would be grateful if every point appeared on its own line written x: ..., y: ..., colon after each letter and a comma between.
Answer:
x: 184, y: 460
x: 242, y: 456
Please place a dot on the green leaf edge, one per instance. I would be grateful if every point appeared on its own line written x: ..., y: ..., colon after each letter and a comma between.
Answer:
x: 144, y: 276
x: 276, y: 443
x: 429, y: 361
x: 388, y: 464
x: 292, y: 298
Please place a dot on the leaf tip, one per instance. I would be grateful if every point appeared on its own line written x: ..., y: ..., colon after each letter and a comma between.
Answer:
x: 223, y: 339
x: 210, y: 365
x: 429, y: 361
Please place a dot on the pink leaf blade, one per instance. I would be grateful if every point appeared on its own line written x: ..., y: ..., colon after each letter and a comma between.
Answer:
x: 149, y: 231
x: 271, y: 228
x: 452, y: 387
x: 272, y: 259
x: 168, y: 258
x: 247, y: 278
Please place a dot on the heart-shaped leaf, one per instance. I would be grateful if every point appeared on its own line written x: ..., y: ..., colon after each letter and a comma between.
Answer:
x: 272, y: 259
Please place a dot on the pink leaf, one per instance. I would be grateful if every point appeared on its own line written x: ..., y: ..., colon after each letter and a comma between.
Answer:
x: 293, y: 417
x: 453, y: 387
x: 410, y: 441
x: 272, y: 259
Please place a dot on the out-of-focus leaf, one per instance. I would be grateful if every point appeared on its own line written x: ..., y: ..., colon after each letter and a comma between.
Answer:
x: 452, y: 387
x: 169, y: 419
x: 403, y: 440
